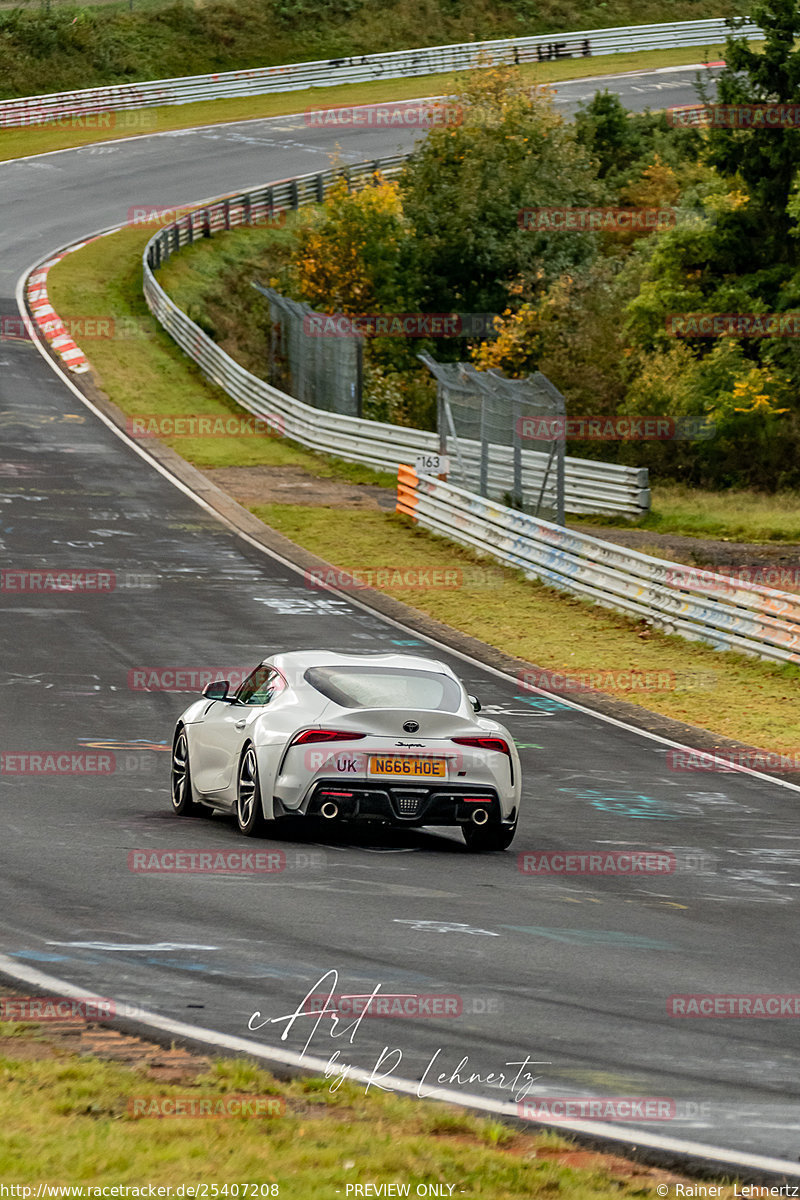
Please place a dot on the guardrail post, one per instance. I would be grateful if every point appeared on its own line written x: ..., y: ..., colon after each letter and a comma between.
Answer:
x: 206, y: 223
x: 293, y: 195
x: 320, y: 182
x: 164, y: 246
x: 227, y: 210
x: 190, y: 228
x: 247, y: 209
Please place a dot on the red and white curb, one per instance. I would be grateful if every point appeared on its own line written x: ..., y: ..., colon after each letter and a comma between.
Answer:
x: 47, y: 319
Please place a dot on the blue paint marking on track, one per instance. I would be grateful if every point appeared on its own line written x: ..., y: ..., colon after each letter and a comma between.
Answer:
x: 595, y: 937
x: 544, y: 704
x: 634, y: 805
x: 39, y: 956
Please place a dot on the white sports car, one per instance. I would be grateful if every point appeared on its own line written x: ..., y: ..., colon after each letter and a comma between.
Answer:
x: 381, y: 737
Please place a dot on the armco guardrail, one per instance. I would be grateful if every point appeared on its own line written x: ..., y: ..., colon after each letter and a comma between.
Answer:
x: 398, y: 64
x: 726, y: 613
x: 590, y: 487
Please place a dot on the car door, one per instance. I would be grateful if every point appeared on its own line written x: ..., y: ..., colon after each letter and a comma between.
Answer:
x: 226, y: 726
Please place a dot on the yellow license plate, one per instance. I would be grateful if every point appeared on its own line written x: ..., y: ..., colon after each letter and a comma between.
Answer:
x: 409, y: 768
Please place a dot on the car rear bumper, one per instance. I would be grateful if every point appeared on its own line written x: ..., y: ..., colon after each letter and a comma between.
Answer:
x: 403, y: 803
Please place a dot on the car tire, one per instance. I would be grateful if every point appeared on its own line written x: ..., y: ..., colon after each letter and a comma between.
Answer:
x: 480, y: 838
x: 183, y: 803
x: 249, y: 816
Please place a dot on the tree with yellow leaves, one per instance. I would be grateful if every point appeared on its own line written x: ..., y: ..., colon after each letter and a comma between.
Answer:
x: 348, y: 254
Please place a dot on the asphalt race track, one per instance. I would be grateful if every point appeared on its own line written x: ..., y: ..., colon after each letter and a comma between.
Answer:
x: 572, y: 974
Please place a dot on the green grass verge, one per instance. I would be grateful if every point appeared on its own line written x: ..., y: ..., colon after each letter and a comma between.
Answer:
x: 735, y: 516
x: 67, y: 1118
x: 742, y: 698
x: 15, y: 143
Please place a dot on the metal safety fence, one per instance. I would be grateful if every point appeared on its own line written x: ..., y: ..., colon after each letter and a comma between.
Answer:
x: 488, y: 410
x: 327, y: 373
x: 589, y: 486
x: 397, y: 64
x: 726, y: 613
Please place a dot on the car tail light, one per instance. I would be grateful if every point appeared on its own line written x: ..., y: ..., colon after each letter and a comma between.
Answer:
x: 325, y: 735
x: 499, y: 745
x: 485, y: 743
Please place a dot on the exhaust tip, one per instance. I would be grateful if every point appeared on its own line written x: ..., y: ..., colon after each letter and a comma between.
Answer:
x: 329, y: 810
x: 480, y: 816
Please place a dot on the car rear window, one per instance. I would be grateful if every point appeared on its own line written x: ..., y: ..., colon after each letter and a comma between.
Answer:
x: 386, y: 687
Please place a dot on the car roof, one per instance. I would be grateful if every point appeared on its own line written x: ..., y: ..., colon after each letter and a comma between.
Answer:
x: 301, y: 660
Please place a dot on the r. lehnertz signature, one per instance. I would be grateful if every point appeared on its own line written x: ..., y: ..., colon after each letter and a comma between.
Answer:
x: 519, y: 1084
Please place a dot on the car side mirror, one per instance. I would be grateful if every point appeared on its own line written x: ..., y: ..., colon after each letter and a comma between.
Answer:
x: 217, y: 691
x: 475, y: 702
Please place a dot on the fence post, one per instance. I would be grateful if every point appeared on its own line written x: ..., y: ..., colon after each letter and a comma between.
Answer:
x: 483, y: 485
x: 560, y: 452
x: 516, y: 493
